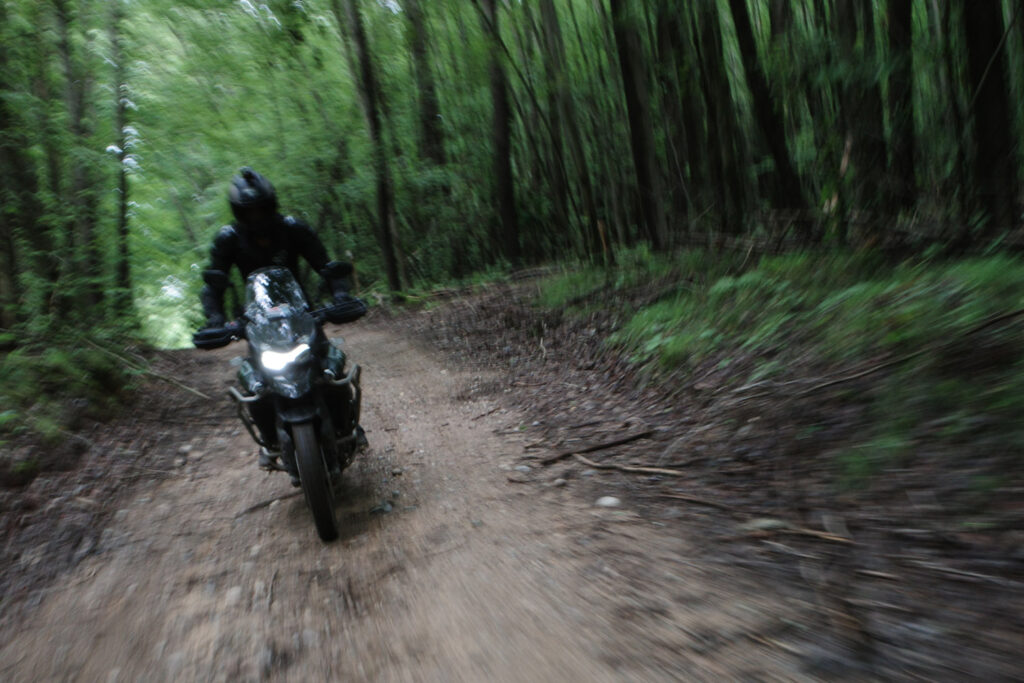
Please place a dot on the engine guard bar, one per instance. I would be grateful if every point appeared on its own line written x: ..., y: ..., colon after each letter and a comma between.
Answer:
x: 351, y: 378
x: 237, y: 395
x: 240, y: 400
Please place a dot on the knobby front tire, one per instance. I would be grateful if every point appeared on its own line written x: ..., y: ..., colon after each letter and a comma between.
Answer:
x: 316, y: 483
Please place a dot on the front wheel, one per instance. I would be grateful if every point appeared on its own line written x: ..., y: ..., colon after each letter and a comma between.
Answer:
x: 315, y: 482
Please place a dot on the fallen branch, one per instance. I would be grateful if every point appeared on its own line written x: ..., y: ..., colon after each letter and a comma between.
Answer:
x: 772, y: 642
x: 863, y: 373
x: 270, y: 591
x: 817, y: 534
x: 970, y: 577
x: 596, y: 447
x: 641, y: 469
x: 878, y: 575
x: 699, y: 501
x: 799, y: 531
x: 773, y: 387
x: 492, y: 410
x: 985, y: 324
x: 995, y: 320
x: 268, y: 503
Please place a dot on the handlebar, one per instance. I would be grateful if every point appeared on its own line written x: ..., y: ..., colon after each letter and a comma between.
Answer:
x: 215, y: 337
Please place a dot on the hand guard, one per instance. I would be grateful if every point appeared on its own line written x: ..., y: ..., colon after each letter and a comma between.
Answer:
x: 216, y: 337
x: 346, y: 309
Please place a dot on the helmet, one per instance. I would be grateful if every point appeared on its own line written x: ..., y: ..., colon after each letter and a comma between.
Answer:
x: 251, y: 193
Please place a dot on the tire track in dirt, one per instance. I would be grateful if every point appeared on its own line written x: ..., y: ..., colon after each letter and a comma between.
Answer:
x: 467, y: 577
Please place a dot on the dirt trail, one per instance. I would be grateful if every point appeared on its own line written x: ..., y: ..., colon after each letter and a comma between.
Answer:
x: 446, y: 569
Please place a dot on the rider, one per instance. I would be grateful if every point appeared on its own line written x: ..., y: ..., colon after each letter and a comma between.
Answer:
x: 261, y: 237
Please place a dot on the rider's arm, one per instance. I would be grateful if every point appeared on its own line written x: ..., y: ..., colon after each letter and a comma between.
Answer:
x: 216, y: 276
x: 336, y: 273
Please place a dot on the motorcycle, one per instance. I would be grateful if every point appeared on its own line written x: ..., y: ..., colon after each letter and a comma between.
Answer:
x: 293, y: 369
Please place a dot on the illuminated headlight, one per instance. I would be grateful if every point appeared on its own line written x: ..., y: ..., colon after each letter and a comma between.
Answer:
x: 279, y: 360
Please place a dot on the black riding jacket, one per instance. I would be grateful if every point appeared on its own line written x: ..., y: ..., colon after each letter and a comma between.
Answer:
x: 289, y: 239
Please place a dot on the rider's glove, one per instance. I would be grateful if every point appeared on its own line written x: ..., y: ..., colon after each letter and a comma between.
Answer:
x: 216, y: 337
x: 346, y: 308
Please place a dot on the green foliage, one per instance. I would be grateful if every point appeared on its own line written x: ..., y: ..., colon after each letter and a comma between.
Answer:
x: 560, y: 290
x: 952, y: 331
x: 849, y: 306
x: 26, y: 468
x: 50, y: 391
x: 209, y: 88
x: 635, y: 267
x: 860, y: 463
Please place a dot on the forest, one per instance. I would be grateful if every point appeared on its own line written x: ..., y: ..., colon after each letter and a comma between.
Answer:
x: 750, y: 269
x: 433, y: 141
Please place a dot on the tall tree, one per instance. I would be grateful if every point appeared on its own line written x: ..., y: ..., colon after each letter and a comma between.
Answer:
x: 80, y: 195
x: 680, y: 117
x: 860, y: 103
x: 995, y: 168
x: 901, y: 103
x: 123, y: 297
x: 501, y: 136
x: 351, y: 23
x: 10, y: 196
x: 723, y: 130
x: 567, y: 125
x: 638, y: 106
x: 769, y: 120
x: 27, y: 253
x: 431, y: 134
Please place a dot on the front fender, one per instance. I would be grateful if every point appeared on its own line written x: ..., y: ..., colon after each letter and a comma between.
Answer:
x: 297, y: 410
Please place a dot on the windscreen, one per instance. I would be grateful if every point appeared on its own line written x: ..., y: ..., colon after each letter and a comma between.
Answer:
x: 272, y: 288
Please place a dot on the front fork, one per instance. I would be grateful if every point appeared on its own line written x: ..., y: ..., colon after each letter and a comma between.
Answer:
x: 311, y: 407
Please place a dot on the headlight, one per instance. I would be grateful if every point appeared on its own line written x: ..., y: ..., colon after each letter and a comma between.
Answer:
x: 279, y: 360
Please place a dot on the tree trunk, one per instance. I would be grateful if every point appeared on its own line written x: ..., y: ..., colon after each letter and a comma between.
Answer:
x: 903, y: 187
x: 86, y: 289
x: 723, y: 130
x: 860, y: 110
x: 569, y: 126
x: 678, y: 100
x: 501, y: 137
x: 558, y: 169
x: 957, y: 183
x: 769, y: 120
x: 638, y: 107
x: 123, y: 298
x: 995, y: 169
x: 780, y: 17
x: 431, y: 135
x: 351, y: 24
x: 21, y: 210
x: 9, y: 162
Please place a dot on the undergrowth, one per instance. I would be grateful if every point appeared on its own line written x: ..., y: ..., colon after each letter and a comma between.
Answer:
x: 948, y: 334
x: 47, y: 391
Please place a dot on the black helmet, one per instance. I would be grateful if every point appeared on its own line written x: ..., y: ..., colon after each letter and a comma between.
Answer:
x: 250, y: 192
